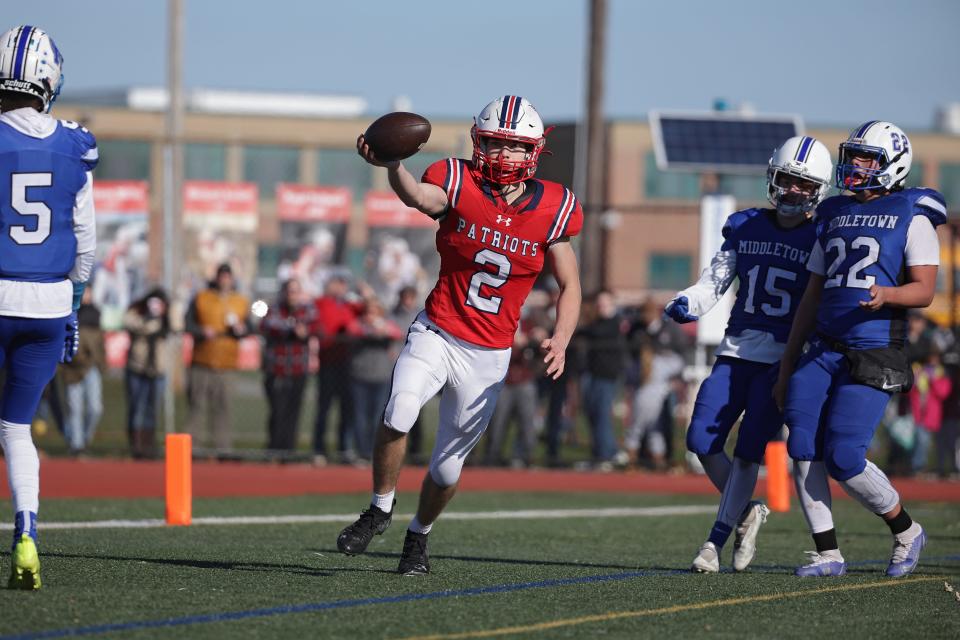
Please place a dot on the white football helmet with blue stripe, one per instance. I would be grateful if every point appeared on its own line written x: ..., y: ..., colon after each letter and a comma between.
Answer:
x: 508, y: 118
x: 31, y: 63
x: 804, y: 158
x: 883, y: 141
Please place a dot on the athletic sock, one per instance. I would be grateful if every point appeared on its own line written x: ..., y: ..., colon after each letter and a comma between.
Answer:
x: 717, y: 468
x: 738, y: 491
x: 719, y: 534
x: 383, y: 502
x: 23, y: 466
x: 826, y: 541
x: 813, y: 490
x: 900, y: 523
x: 24, y: 522
x: 416, y: 527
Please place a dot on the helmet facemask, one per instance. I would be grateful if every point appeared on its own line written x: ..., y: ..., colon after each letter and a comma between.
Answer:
x: 875, y: 157
x: 499, y: 170
x: 790, y: 201
x: 510, y: 118
x: 852, y: 177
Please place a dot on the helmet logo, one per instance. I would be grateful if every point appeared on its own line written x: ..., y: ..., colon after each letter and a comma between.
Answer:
x: 510, y: 112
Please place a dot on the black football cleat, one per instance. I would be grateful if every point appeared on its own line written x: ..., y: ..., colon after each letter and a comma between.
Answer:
x: 372, y: 522
x: 414, y: 560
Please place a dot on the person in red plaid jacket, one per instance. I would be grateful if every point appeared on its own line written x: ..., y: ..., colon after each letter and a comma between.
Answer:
x: 286, y: 362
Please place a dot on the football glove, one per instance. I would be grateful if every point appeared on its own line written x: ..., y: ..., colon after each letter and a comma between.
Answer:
x: 71, y: 341
x: 679, y: 310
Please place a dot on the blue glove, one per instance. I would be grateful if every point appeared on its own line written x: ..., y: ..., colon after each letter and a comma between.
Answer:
x: 71, y: 342
x: 678, y: 309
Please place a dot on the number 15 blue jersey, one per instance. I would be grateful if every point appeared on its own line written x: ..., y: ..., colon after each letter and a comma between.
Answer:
x: 771, y: 268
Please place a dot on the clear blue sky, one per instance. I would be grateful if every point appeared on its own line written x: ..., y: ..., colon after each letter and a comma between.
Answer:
x: 451, y: 57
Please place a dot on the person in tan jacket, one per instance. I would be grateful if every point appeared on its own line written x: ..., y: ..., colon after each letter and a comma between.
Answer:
x: 217, y: 318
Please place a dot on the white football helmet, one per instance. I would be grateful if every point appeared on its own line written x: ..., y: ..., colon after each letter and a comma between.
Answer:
x: 31, y: 63
x: 805, y: 158
x: 884, y: 141
x: 508, y: 118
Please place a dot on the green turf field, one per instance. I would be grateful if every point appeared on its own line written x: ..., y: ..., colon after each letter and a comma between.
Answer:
x: 570, y: 577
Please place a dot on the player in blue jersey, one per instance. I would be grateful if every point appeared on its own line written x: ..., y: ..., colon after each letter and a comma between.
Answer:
x: 47, y: 245
x: 876, y: 257
x: 766, y: 250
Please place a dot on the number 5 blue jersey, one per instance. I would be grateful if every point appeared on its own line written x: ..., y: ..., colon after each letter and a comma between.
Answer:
x: 863, y: 244
x: 42, y: 173
x: 771, y: 268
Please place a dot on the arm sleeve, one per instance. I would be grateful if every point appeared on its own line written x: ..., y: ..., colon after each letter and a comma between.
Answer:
x: 923, y: 245
x: 713, y: 283
x: 85, y: 229
x: 816, y: 263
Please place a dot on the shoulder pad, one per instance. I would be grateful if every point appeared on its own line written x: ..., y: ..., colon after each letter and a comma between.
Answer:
x: 84, y: 141
x: 929, y: 203
x: 738, y: 219
x: 449, y: 174
x: 568, y: 219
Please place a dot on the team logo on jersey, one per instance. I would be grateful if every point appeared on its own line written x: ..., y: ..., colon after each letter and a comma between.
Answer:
x: 504, y: 220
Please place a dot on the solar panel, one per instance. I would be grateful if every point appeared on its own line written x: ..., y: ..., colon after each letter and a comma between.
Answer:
x: 719, y: 142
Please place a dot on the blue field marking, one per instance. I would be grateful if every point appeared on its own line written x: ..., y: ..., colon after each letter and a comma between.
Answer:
x: 346, y: 604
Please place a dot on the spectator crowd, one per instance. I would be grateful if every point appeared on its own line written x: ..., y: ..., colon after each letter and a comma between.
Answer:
x: 625, y: 395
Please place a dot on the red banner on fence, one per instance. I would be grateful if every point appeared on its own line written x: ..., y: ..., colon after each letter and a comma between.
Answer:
x: 297, y: 203
x: 120, y: 196
x: 202, y: 196
x: 384, y: 209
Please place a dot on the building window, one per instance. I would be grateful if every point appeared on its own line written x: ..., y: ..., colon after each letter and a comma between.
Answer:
x: 418, y: 163
x: 269, y: 165
x: 673, y: 185
x: 669, y: 271
x: 204, y: 161
x: 344, y: 168
x: 123, y: 160
x: 747, y: 189
x: 950, y: 183
x: 915, y: 177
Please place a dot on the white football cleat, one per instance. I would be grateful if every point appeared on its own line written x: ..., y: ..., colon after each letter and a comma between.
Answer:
x: 707, y: 560
x: 745, y: 544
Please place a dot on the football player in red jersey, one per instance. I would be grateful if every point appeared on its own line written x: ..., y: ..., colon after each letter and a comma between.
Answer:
x: 498, y: 226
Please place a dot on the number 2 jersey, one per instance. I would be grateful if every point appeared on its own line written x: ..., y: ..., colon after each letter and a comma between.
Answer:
x: 491, y: 253
x: 869, y: 243
x: 771, y: 268
x: 46, y: 211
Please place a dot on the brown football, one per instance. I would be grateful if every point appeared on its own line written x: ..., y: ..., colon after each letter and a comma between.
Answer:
x: 397, y: 135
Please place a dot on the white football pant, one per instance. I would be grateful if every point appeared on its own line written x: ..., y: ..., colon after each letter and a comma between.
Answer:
x: 470, y: 377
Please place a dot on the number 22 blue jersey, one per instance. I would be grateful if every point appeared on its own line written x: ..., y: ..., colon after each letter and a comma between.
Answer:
x: 864, y: 244
x: 40, y: 178
x: 771, y: 268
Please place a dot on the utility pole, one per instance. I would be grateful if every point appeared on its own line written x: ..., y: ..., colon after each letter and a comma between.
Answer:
x: 172, y: 197
x: 596, y: 184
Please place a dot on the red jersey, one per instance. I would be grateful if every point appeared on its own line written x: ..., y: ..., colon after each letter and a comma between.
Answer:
x: 491, y: 252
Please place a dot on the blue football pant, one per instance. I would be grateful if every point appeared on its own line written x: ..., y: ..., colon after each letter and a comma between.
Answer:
x: 736, y: 387
x: 830, y: 416
x: 30, y: 348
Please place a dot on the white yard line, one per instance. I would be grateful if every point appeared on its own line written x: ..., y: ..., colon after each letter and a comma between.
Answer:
x: 527, y: 514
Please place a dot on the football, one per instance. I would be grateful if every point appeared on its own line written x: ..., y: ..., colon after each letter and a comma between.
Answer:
x: 397, y: 135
